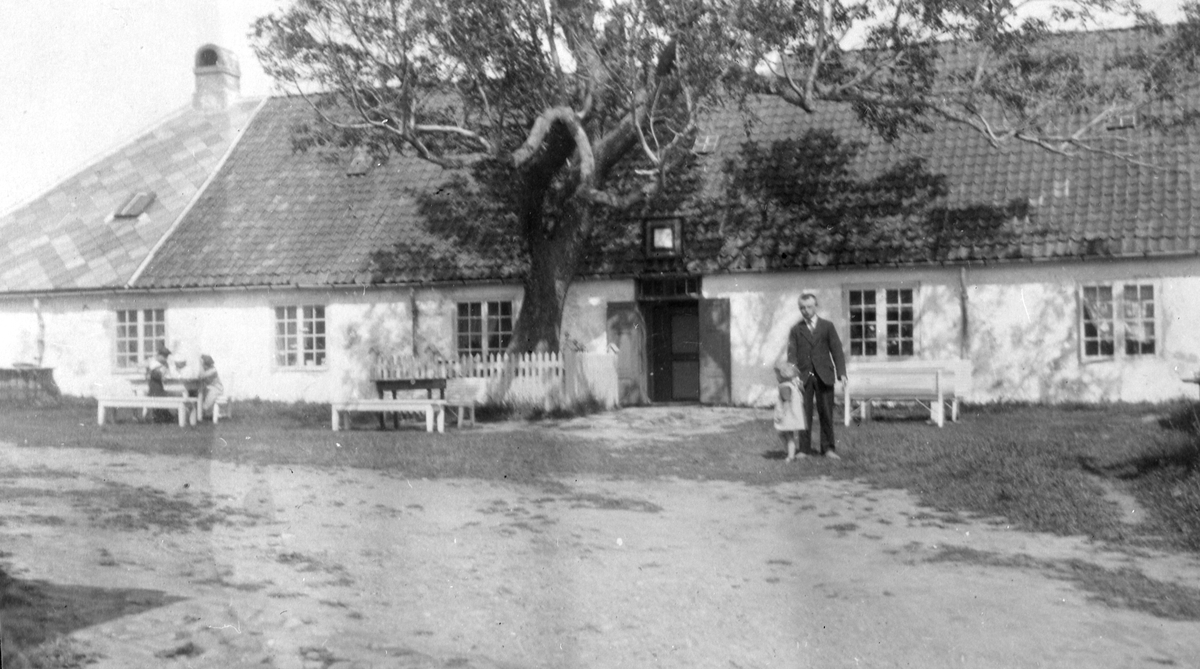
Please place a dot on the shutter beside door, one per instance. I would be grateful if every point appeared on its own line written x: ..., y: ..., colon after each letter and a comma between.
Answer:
x: 627, y: 334
x: 715, y: 362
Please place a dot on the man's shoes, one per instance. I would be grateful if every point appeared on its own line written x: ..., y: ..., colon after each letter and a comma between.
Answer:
x: 832, y: 455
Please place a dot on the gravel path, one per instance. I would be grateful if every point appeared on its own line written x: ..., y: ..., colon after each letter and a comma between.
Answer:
x: 226, y: 565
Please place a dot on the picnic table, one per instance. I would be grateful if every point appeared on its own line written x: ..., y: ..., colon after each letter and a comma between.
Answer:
x: 1194, y: 379
x: 183, y: 386
x: 390, y: 387
x: 393, y: 386
x: 187, y: 386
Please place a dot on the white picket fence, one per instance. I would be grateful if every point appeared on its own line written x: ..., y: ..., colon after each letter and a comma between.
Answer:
x: 545, y: 379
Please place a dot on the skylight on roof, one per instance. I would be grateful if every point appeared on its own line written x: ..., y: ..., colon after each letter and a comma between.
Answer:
x: 135, y: 205
x: 706, y: 144
x: 1122, y: 121
x: 361, y: 163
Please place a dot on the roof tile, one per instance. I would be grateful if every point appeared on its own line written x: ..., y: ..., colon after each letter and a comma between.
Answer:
x: 76, y: 212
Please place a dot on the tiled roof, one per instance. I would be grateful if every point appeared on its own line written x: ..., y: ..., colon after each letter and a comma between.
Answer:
x: 1093, y: 204
x: 67, y: 238
x: 274, y: 216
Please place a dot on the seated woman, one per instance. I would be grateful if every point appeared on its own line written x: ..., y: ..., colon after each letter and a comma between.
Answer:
x: 210, y: 385
x: 155, y: 376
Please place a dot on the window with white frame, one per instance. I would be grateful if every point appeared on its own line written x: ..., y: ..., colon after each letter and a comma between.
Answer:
x: 484, y: 328
x: 139, y: 334
x: 300, y: 336
x: 1119, y: 318
x: 882, y: 322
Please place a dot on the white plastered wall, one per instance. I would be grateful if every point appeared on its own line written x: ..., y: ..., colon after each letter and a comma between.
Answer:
x: 764, y: 307
x: 585, y: 312
x: 1022, y: 325
x: 1025, y: 333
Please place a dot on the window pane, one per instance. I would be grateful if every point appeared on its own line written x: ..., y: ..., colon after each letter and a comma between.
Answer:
x: 1137, y: 309
x: 899, y: 321
x: 485, y: 328
x: 862, y: 317
x: 299, y: 335
x: 1098, y: 322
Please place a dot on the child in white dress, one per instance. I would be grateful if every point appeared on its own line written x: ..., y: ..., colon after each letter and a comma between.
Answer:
x: 789, y: 410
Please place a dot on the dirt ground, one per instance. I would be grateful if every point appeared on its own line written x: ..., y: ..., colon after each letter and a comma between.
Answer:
x: 178, y: 562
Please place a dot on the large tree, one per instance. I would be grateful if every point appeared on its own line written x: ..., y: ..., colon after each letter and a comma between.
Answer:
x: 574, y: 113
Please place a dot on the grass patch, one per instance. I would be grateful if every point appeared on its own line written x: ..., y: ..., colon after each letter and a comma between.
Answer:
x: 1119, y: 588
x: 1036, y: 467
x: 60, y: 653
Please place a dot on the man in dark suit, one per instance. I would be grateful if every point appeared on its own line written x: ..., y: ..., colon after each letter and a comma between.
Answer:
x: 816, y: 350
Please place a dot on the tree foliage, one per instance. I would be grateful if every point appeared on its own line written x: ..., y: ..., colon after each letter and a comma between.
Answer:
x: 1004, y: 68
x: 574, y: 116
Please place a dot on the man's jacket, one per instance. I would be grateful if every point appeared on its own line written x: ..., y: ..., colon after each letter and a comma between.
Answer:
x: 817, y: 351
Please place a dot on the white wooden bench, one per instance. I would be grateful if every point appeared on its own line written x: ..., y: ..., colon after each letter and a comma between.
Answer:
x: 463, y: 394
x: 434, y: 410
x: 174, y: 386
x: 932, y: 383
x: 184, y: 406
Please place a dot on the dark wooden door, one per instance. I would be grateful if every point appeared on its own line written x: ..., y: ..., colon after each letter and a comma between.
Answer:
x: 674, y: 347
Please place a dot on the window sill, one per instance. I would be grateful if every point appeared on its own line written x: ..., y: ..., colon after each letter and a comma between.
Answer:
x: 300, y: 370
x: 129, y: 371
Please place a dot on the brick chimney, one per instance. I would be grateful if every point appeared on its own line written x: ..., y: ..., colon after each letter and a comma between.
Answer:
x: 218, y: 78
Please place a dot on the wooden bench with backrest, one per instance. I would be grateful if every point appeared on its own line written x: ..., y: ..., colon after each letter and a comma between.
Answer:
x: 931, y: 383
x: 434, y: 410
x: 463, y: 394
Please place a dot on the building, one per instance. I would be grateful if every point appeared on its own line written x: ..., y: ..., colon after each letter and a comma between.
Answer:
x: 212, y: 234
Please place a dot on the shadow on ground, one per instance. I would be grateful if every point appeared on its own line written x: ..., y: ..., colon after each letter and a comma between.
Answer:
x: 32, y: 612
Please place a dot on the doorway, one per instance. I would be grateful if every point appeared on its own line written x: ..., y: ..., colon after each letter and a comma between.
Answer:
x: 674, y: 350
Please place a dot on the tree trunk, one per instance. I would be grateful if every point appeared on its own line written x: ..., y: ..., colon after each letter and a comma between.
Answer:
x: 553, y: 242
x: 553, y: 260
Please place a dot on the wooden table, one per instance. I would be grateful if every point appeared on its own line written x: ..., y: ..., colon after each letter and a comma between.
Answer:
x: 389, y: 387
x: 182, y: 386
x: 187, y: 385
x: 1195, y: 380
x: 384, y: 386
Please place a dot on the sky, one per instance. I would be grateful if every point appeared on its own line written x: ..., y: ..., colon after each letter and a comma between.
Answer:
x: 79, y: 78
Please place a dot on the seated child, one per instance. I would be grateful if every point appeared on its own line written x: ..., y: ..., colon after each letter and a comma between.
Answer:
x: 789, y: 410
